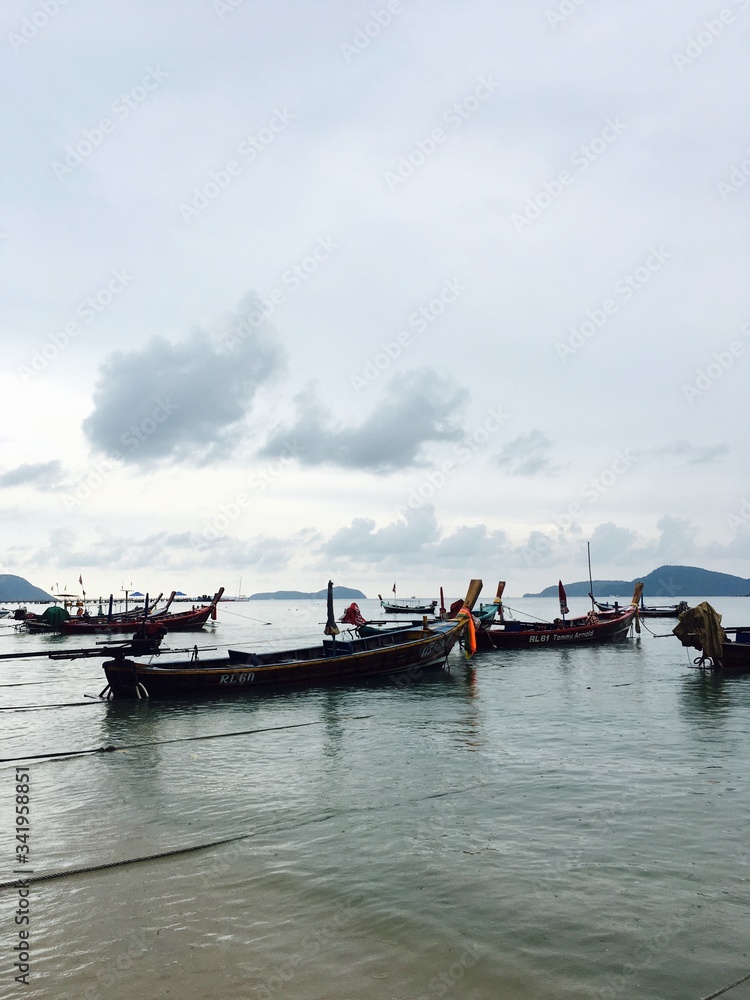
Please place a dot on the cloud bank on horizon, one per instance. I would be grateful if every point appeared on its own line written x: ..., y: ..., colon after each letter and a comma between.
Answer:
x: 409, y: 290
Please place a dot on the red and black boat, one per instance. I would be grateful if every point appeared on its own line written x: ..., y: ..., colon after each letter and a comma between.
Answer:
x: 172, y: 621
x: 591, y: 628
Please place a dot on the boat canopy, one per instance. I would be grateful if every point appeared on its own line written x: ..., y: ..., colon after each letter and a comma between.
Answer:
x: 700, y: 627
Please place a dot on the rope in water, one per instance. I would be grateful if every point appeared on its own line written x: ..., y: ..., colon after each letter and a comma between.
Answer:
x: 33, y: 708
x: 322, y: 818
x: 247, y: 618
x: 118, y: 864
x: 177, y: 739
x: 725, y: 989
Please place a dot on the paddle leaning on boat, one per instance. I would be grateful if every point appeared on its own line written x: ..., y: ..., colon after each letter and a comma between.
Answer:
x: 590, y: 628
x: 335, y: 659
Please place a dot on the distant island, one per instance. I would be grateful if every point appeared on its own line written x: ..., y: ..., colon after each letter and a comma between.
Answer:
x: 673, y: 582
x: 344, y: 593
x: 16, y: 590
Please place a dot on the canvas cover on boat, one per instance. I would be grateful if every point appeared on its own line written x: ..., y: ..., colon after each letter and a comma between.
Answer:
x: 700, y: 627
x: 54, y: 616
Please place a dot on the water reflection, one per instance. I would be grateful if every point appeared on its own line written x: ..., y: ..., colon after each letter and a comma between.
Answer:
x: 707, y: 696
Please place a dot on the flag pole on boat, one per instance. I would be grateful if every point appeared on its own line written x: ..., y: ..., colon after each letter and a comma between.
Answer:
x: 591, y: 583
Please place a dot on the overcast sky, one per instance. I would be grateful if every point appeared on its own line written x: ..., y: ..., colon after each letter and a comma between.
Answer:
x: 382, y: 292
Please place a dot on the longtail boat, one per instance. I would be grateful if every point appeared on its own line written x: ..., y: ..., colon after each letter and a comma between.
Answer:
x: 591, y: 628
x: 172, y: 621
x: 53, y: 618
x: 649, y: 611
x: 333, y: 660
x: 408, y: 606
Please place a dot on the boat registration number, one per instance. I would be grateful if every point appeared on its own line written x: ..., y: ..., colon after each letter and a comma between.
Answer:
x: 561, y: 638
x: 237, y: 678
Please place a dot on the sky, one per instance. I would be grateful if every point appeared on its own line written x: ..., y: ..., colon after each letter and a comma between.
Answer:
x: 392, y: 292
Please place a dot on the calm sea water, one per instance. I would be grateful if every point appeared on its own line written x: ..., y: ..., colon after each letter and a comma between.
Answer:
x: 555, y: 823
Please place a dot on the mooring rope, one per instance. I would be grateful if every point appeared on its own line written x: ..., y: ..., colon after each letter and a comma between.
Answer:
x: 324, y: 817
x: 48, y: 876
x: 725, y: 989
x: 178, y: 739
x: 246, y: 618
x: 30, y: 708
x: 20, y: 684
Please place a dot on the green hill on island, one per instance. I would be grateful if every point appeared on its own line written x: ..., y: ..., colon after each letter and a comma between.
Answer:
x: 674, y: 582
x: 343, y: 593
x: 16, y: 590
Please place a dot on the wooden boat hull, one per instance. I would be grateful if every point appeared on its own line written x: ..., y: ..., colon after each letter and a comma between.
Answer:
x: 185, y: 621
x: 536, y: 636
x: 405, y: 653
x: 735, y: 656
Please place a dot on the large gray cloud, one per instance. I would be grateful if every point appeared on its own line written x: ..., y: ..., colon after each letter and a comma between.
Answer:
x: 414, y: 409
x: 185, y: 401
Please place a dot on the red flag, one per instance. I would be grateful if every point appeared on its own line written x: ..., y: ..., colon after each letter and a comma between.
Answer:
x: 394, y: 588
x: 563, y: 598
x: 80, y: 580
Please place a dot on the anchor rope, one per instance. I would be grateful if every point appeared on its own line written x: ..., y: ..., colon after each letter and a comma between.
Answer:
x: 178, y: 739
x: 48, y: 876
x: 308, y: 821
x: 725, y: 989
x: 30, y: 708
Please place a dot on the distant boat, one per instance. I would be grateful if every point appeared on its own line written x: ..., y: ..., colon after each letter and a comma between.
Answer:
x: 649, y: 611
x: 333, y: 660
x: 408, y: 606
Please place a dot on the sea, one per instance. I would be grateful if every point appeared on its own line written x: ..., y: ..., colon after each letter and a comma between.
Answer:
x: 534, y: 824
